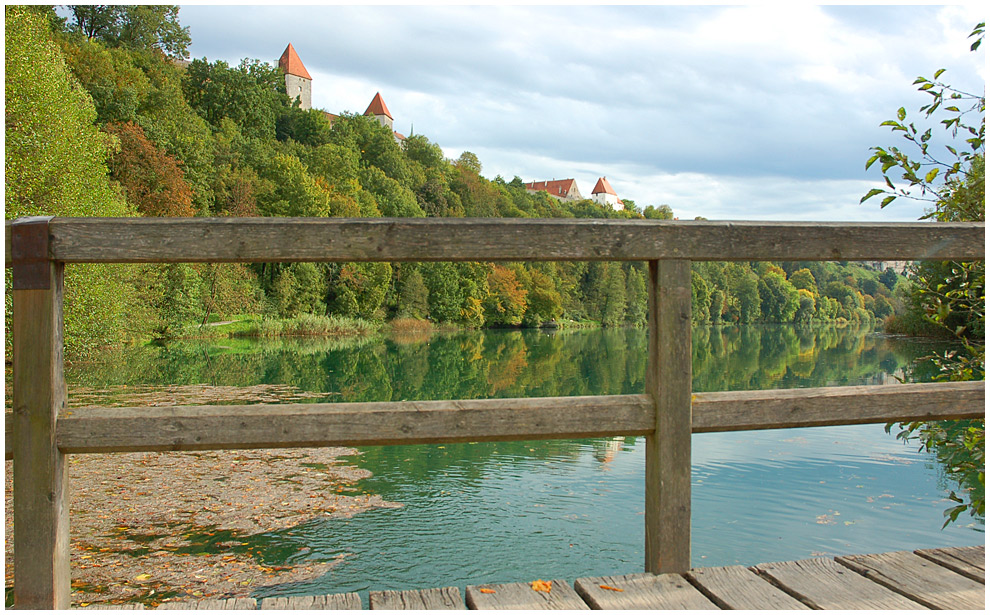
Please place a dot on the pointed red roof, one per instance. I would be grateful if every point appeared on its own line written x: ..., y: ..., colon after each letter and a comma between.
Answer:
x: 603, y: 186
x: 377, y: 107
x: 291, y: 64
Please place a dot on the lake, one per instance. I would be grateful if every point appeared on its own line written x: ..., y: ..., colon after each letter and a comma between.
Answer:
x: 517, y: 511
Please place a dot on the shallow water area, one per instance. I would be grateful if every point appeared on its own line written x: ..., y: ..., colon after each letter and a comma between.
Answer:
x: 494, y: 512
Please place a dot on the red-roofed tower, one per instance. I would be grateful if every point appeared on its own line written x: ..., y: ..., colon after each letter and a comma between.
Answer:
x: 604, y: 194
x: 378, y: 109
x: 298, y: 83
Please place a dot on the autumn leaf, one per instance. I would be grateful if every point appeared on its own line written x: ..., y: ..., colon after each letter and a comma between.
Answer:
x: 611, y: 589
x: 485, y: 590
x: 540, y: 585
x: 142, y: 577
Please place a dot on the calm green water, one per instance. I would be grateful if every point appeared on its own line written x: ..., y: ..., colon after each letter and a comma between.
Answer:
x: 516, y: 511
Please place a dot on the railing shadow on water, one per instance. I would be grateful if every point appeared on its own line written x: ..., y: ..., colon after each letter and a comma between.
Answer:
x: 667, y: 412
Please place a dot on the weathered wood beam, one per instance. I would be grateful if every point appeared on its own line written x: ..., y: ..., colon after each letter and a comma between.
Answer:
x: 98, y: 430
x: 668, y: 445
x: 139, y: 240
x: 40, y: 490
x: 352, y: 424
x: 820, y: 407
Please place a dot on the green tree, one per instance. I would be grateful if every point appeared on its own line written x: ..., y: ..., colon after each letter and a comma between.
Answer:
x: 636, y: 297
x: 55, y: 163
x: 700, y: 299
x: 803, y: 278
x: 663, y: 212
x: 252, y: 95
x: 413, y: 301
x: 952, y: 295
x: 744, y: 286
x: 295, y: 193
x: 614, y: 304
x: 779, y: 300
x: 889, y: 278
x: 154, y: 27
x: 543, y: 301
x: 299, y: 289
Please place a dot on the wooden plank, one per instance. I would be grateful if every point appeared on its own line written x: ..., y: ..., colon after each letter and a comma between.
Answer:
x: 668, y: 447
x: 94, y: 430
x: 228, y: 604
x: 437, y: 599
x: 814, y: 407
x: 642, y: 591
x: 141, y: 240
x: 738, y: 587
x: 41, y: 503
x: 824, y: 584
x: 267, y: 426
x: 967, y: 561
x: 521, y: 596
x: 919, y: 579
x: 334, y: 602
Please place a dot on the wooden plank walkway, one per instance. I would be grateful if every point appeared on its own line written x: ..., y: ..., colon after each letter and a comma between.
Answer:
x: 950, y: 578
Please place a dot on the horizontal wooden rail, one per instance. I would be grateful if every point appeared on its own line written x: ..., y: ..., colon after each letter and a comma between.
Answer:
x: 141, y: 240
x: 190, y: 428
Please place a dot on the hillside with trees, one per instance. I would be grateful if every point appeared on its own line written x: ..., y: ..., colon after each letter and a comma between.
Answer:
x: 105, y: 119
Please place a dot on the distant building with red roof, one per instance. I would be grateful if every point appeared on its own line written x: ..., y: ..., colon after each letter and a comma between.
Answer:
x: 561, y: 189
x: 378, y: 109
x: 604, y: 194
x: 298, y: 83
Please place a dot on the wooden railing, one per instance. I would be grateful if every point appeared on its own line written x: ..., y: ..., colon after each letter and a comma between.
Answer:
x: 38, y: 439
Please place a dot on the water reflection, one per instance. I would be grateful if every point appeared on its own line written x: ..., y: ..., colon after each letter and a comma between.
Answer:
x: 513, y: 363
x: 515, y: 511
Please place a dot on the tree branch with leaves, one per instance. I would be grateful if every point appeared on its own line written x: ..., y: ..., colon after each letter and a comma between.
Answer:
x: 952, y: 295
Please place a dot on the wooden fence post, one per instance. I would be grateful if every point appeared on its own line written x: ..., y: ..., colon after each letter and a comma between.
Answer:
x: 41, y: 507
x: 668, y: 449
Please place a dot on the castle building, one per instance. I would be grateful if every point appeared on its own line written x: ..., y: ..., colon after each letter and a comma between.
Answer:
x: 298, y: 83
x: 560, y: 189
x: 603, y: 194
x: 378, y: 109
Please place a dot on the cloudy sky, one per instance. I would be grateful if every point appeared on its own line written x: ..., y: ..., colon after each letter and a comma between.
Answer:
x: 762, y: 112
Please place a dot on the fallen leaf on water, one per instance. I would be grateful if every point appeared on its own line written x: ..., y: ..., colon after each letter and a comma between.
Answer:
x: 485, y: 590
x: 142, y: 577
x: 611, y: 589
x: 540, y: 585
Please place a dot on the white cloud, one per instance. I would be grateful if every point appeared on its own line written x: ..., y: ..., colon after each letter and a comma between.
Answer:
x: 760, y: 112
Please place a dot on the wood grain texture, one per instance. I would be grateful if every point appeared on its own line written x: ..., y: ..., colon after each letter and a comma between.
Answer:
x: 40, y: 490
x: 967, y: 561
x: 742, y: 410
x: 668, y: 447
x: 498, y: 239
x: 824, y: 584
x: 229, y: 604
x: 919, y: 579
x: 520, y: 596
x: 93, y: 430
x: 738, y: 587
x: 437, y: 599
x: 268, y: 426
x: 642, y: 591
x: 331, y: 602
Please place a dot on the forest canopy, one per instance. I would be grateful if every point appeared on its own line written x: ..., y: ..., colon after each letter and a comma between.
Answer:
x: 126, y: 128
